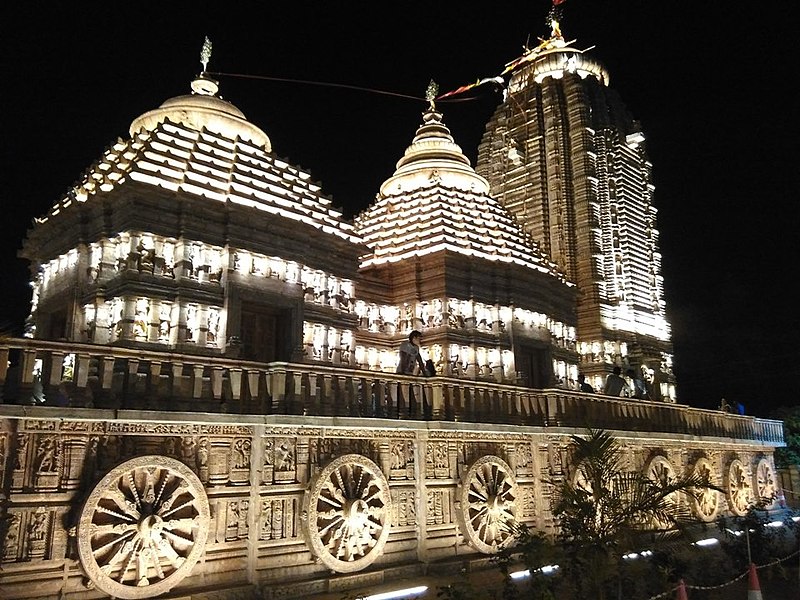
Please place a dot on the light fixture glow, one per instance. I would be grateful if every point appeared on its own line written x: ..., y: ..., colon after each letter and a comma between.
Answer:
x: 520, y: 574
x: 707, y: 542
x: 774, y: 524
x: 404, y: 593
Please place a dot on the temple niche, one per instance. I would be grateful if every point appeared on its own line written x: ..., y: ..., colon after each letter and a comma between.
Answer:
x: 205, y: 404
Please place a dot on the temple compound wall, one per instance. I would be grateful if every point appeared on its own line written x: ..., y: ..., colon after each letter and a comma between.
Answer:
x: 136, y: 504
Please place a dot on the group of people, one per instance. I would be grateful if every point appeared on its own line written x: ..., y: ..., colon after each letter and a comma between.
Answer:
x: 737, y: 408
x: 630, y: 386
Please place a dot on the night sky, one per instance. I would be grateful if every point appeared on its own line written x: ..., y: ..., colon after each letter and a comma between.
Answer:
x: 711, y: 82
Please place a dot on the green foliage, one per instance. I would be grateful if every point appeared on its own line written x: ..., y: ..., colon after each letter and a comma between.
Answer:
x: 747, y: 539
x: 790, y: 455
x: 604, y: 513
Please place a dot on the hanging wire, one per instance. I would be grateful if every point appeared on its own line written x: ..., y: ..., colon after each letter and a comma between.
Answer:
x: 335, y: 85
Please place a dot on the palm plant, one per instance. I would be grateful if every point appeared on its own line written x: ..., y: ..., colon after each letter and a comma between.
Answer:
x: 604, y: 512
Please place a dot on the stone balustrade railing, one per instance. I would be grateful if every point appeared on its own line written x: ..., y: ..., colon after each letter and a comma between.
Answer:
x: 88, y: 375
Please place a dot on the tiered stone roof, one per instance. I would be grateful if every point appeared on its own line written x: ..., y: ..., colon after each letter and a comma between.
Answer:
x: 436, y: 201
x: 202, y: 145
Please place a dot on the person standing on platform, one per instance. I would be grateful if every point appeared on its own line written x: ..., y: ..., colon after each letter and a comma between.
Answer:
x: 410, y: 357
x: 583, y: 386
x: 616, y: 384
x: 637, y: 385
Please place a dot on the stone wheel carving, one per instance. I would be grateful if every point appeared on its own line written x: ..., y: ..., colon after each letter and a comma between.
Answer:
x: 488, y: 504
x: 660, y: 469
x: 143, y: 527
x: 738, y: 488
x: 349, y: 513
x: 764, y: 481
x: 706, y: 503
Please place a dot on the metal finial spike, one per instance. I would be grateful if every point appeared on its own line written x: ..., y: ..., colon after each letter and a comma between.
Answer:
x: 205, y: 53
x: 432, y: 92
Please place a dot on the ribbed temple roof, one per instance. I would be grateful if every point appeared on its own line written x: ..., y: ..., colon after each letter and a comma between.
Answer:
x: 437, y: 218
x: 435, y: 201
x: 199, y: 161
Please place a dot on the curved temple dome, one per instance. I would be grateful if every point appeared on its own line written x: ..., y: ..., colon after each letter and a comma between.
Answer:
x: 434, y: 150
x: 203, y: 110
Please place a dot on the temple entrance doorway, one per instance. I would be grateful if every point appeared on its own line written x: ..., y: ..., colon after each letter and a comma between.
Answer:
x: 534, y: 366
x: 265, y: 333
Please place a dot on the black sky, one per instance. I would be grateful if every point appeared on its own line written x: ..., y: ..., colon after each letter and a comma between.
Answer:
x: 711, y: 82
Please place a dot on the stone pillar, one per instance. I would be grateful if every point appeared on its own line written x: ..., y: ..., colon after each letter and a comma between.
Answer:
x: 3, y: 369
x: 73, y: 461
x: 218, y: 459
x: 302, y: 459
x: 420, y: 457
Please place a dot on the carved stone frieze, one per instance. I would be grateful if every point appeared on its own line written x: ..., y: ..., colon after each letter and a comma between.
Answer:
x: 526, y: 502
x: 439, y: 505
x: 11, y: 537
x: 437, y: 460
x: 322, y: 450
x: 481, y: 436
x: 239, y: 461
x: 278, y: 519
x: 522, y: 459
x: 401, y: 461
x: 39, y: 532
x: 236, y: 521
x: 404, y: 507
x: 179, y: 429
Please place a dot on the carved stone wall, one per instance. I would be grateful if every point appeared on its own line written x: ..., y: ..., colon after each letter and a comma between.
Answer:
x: 283, y: 507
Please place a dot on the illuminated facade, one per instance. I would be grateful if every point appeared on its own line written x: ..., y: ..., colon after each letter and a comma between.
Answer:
x: 563, y: 154
x: 192, y: 227
x: 489, y: 303
x: 206, y: 406
x: 193, y: 236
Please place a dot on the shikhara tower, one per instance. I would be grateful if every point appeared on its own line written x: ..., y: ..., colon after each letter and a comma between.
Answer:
x: 563, y: 154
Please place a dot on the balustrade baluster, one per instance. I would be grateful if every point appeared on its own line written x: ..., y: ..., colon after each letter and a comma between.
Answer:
x: 393, y: 409
x: 197, y: 381
x: 235, y: 378
x: 103, y: 374
x: 154, y: 383
x: 253, y: 390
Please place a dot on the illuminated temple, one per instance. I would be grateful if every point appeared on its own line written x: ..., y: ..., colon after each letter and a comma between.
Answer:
x: 206, y: 406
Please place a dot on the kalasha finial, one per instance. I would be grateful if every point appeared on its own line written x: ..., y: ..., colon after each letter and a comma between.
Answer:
x: 554, y: 19
x: 205, y: 54
x: 431, y: 93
